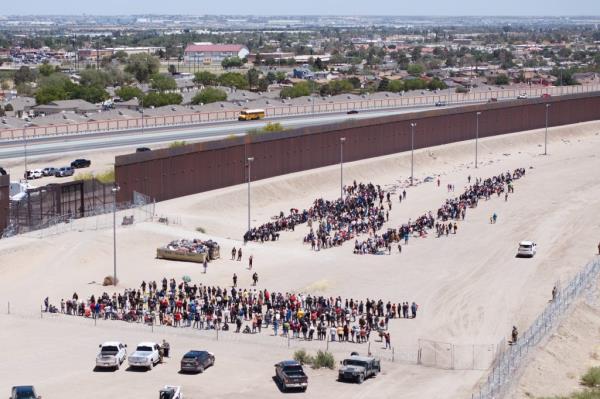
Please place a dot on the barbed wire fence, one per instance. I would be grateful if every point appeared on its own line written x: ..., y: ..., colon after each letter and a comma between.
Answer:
x: 511, y: 356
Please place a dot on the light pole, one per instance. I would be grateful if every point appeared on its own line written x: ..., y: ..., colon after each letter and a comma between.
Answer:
x: 412, y: 151
x: 142, y: 102
x: 115, y: 189
x: 342, y: 140
x: 250, y: 159
x: 546, y: 133
x: 477, y: 137
x: 25, y: 150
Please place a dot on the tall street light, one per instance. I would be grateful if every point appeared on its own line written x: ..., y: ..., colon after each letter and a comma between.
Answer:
x: 412, y: 151
x: 477, y: 138
x: 342, y: 140
x: 250, y: 159
x: 546, y: 133
x: 114, y: 190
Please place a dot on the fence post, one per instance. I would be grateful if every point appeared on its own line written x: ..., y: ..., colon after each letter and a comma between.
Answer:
x: 327, y: 341
x: 41, y: 312
x: 369, y: 349
x: 8, y: 307
x: 393, y: 353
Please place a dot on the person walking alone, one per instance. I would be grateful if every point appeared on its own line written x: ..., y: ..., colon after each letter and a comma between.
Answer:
x: 234, y: 280
x: 250, y: 262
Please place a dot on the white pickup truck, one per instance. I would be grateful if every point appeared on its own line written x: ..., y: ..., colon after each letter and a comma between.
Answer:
x: 146, y: 355
x: 112, y: 354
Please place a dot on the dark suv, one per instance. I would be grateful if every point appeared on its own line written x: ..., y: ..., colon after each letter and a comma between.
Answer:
x: 81, y: 163
x: 197, y: 361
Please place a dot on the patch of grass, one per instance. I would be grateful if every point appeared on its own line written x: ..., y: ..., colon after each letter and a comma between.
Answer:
x: 84, y: 176
x: 108, y: 176
x: 323, y: 360
x: 303, y: 357
x: 177, y: 143
x: 591, y: 379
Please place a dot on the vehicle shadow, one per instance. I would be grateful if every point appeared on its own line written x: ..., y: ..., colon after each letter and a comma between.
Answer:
x: 136, y: 369
x: 104, y: 369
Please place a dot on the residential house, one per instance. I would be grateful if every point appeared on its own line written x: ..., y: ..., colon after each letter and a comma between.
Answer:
x: 61, y: 106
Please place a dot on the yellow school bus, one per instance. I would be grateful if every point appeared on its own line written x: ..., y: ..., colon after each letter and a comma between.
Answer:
x: 251, y: 114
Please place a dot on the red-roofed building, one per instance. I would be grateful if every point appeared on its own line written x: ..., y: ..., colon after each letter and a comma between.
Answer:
x: 213, y: 54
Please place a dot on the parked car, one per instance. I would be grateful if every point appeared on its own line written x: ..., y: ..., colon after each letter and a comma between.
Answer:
x: 142, y: 149
x: 33, y: 174
x: 197, y: 361
x: 440, y: 103
x: 112, y: 355
x: 50, y: 171
x: 522, y: 96
x: 170, y: 392
x: 2, y: 171
x: 527, y: 249
x: 64, y: 171
x: 146, y: 355
x: 359, y: 368
x: 352, y: 112
x: 289, y: 374
x: 493, y: 100
x: 81, y: 163
x: 24, y: 392
x: 546, y: 95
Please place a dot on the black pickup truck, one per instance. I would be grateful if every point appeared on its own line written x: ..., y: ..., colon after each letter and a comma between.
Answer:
x: 290, y: 374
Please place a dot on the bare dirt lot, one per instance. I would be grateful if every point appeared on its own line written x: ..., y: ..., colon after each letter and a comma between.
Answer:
x: 470, y: 287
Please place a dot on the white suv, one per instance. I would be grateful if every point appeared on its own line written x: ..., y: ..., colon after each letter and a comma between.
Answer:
x: 112, y: 355
x: 146, y: 355
x: 527, y: 249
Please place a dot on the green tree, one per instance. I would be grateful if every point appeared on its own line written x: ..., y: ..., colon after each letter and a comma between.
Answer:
x: 336, y: 87
x: 205, y: 78
x: 416, y: 53
x: 9, y: 107
x: 24, y: 75
x: 25, y: 89
x: 209, y: 95
x: 263, y: 84
x: 253, y: 75
x: 95, y: 77
x: 415, y: 69
x: 121, y: 56
x: 126, y: 93
x: 436, y: 84
x: 92, y: 94
x: 4, y: 85
x: 172, y: 69
x: 384, y: 85
x: 162, y: 83
x: 232, y: 62
x: 501, y: 80
x: 142, y: 66
x: 298, y: 90
x: 234, y: 79
x: 46, y: 69
x: 156, y: 99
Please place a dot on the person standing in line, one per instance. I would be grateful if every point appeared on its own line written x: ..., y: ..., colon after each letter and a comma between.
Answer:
x: 239, y: 258
x: 413, y: 310
x: 233, y: 252
x: 388, y: 344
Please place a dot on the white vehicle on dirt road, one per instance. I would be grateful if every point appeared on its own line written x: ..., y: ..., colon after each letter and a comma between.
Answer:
x: 146, y: 355
x: 527, y: 249
x: 112, y: 355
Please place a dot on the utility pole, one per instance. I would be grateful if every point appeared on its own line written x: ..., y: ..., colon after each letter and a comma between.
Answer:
x: 342, y: 140
x: 477, y: 138
x: 115, y: 189
x: 412, y: 151
x: 546, y: 133
x: 250, y: 160
x: 25, y: 150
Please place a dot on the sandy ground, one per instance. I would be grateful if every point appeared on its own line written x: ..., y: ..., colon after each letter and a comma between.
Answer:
x: 556, y: 367
x: 470, y: 287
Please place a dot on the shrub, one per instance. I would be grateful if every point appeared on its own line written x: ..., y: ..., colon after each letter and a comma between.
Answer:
x: 177, y: 143
x: 323, y: 359
x: 302, y: 357
x: 109, y: 280
x: 108, y: 176
x: 201, y: 230
x: 591, y: 378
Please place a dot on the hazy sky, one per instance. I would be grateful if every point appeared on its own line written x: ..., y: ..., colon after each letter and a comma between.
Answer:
x: 305, y: 7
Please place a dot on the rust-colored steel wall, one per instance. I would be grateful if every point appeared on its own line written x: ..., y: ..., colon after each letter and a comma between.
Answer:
x: 170, y: 173
x: 4, y: 201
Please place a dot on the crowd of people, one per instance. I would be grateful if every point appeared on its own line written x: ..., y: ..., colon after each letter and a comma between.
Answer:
x: 243, y: 310
x: 445, y: 221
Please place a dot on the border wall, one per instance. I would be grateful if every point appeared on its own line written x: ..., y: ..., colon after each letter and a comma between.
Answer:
x: 174, y: 172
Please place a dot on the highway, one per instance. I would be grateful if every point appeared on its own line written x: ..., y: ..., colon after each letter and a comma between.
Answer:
x: 52, y: 145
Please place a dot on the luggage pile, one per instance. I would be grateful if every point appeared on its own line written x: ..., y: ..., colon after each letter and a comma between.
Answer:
x: 190, y: 250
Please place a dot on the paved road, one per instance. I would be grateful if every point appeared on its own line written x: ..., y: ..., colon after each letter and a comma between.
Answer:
x: 134, y: 138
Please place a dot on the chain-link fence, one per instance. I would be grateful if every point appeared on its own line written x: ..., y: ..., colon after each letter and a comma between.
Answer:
x: 141, y: 209
x: 449, y: 356
x: 511, y: 355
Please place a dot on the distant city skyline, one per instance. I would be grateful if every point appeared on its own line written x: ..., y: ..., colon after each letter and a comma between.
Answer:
x: 306, y: 7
